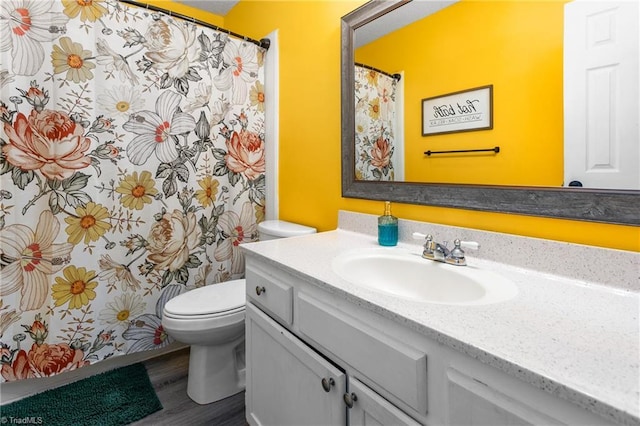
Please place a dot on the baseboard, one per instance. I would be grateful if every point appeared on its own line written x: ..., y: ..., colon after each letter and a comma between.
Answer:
x: 13, y: 391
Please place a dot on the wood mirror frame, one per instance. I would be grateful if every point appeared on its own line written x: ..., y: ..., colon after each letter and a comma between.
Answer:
x: 595, y: 205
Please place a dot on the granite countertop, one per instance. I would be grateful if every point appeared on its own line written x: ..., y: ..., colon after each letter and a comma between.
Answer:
x: 577, y: 340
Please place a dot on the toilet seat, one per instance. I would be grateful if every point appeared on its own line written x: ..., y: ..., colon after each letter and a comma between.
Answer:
x: 204, y: 316
x: 272, y: 229
x: 208, y: 302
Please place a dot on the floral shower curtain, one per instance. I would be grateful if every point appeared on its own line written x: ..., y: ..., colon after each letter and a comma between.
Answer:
x: 132, y: 167
x: 375, y: 124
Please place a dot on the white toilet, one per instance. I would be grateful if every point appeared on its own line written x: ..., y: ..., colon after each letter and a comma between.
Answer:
x: 211, y: 320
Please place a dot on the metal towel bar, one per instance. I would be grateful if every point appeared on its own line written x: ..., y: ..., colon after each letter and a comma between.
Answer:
x: 494, y: 149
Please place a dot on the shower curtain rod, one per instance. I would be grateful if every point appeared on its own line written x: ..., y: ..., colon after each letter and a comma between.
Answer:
x: 396, y: 76
x: 264, y: 42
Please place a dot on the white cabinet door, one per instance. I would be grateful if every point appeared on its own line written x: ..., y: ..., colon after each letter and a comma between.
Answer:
x: 370, y: 409
x: 285, y: 378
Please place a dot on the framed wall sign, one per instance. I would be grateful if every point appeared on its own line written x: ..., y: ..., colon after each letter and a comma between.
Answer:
x: 462, y: 111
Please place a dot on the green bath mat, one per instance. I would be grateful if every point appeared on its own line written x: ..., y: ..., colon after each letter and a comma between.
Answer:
x: 116, y: 397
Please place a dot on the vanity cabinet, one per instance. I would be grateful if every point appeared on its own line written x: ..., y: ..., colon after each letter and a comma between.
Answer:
x: 312, y: 354
x: 292, y: 382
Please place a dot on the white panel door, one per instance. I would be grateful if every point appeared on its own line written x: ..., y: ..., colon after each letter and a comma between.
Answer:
x: 601, y: 113
x: 285, y: 378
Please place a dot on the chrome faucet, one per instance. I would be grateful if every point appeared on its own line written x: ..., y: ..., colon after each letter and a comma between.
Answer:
x: 434, y: 250
x: 440, y: 253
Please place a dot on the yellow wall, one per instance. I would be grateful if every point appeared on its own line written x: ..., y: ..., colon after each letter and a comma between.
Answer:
x: 182, y: 9
x: 524, y: 68
x: 309, y: 116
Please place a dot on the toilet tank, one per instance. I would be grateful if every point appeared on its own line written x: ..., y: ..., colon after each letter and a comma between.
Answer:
x: 272, y: 229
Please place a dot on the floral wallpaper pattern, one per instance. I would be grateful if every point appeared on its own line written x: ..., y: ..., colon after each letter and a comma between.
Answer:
x: 375, y: 125
x: 132, y: 168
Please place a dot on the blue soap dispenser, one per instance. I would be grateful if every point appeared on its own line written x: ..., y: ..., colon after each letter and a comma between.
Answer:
x: 387, y: 227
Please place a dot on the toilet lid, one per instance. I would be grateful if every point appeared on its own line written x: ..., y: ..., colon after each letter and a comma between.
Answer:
x: 284, y: 229
x: 210, y: 299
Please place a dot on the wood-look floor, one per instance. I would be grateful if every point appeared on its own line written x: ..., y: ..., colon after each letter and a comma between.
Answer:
x: 168, y: 374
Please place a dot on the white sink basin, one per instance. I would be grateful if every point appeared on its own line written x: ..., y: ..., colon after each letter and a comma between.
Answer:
x: 398, y: 272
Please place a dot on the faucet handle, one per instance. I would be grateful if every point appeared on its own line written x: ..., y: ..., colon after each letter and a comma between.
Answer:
x: 420, y: 236
x: 472, y: 245
x: 428, y: 248
x: 456, y: 256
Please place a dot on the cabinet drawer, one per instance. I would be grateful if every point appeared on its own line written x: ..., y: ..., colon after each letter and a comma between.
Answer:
x: 270, y: 293
x: 367, y: 349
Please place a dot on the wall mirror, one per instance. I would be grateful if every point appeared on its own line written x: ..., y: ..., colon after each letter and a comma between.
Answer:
x: 620, y: 206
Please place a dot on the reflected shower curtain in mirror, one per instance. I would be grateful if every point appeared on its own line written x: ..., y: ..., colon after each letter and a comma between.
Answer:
x: 375, y: 117
x: 132, y: 168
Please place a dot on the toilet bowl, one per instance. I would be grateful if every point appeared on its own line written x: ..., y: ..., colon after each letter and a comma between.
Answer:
x: 211, y: 320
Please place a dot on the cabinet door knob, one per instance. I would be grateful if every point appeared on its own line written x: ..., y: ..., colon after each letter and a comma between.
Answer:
x: 260, y: 290
x: 327, y: 383
x: 349, y: 399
